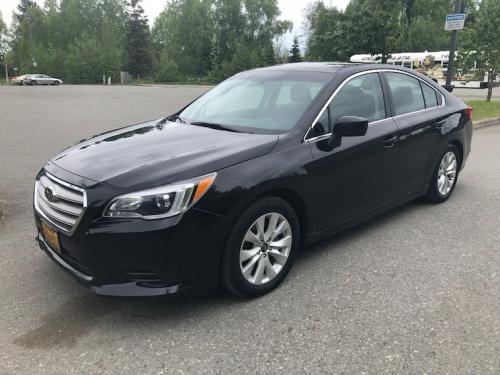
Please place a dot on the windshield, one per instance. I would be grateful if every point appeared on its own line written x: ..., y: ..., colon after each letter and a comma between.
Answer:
x: 258, y: 101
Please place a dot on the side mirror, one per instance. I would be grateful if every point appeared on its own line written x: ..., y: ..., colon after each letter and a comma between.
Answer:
x: 347, y: 126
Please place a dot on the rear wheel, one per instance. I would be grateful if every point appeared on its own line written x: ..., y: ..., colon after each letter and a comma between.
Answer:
x: 445, y: 176
x: 261, y: 248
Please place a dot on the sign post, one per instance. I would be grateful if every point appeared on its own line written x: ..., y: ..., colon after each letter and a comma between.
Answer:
x: 454, y: 22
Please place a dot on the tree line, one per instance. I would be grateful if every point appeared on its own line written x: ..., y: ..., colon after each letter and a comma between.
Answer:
x: 80, y: 40
x: 382, y: 27
x: 378, y: 27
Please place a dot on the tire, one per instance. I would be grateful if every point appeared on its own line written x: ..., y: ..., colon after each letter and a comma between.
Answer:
x: 55, y: 83
x: 34, y: 83
x: 442, y: 186
x: 273, y: 268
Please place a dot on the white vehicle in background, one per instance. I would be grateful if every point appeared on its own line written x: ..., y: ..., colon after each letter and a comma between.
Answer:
x: 432, y: 64
x: 41, y: 79
x: 19, y: 80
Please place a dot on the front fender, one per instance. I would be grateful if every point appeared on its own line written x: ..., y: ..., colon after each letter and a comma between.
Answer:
x: 285, y: 173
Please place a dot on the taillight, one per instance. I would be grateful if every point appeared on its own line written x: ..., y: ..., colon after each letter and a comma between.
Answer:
x: 468, y: 112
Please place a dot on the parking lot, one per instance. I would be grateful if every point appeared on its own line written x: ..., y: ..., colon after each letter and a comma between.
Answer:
x: 413, y: 291
x: 475, y: 93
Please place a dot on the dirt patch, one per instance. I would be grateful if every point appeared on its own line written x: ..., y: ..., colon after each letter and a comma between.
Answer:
x: 68, y: 322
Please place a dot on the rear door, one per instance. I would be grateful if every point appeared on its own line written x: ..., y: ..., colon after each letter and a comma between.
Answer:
x: 419, y: 115
x: 360, y: 174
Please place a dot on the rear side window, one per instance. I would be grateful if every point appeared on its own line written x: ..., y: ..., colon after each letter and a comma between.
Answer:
x: 430, y: 96
x: 361, y: 96
x: 406, y: 93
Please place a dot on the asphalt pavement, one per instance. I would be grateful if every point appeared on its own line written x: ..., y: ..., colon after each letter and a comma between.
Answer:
x: 411, y: 292
x: 475, y: 94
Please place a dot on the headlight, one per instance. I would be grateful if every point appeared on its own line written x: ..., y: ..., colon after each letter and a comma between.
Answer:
x: 160, y: 202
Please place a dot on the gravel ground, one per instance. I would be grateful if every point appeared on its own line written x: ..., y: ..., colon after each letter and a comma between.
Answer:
x: 413, y: 291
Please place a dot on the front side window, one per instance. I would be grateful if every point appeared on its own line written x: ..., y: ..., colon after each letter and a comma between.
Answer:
x: 406, y: 93
x: 258, y: 101
x: 361, y: 96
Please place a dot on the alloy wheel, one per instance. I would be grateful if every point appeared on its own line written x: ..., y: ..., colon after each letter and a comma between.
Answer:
x: 265, y: 248
x: 447, y: 173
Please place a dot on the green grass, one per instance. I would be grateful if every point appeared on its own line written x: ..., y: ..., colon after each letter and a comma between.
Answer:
x: 482, y: 110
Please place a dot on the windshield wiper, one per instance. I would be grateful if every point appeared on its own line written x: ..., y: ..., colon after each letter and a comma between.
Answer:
x: 212, y: 125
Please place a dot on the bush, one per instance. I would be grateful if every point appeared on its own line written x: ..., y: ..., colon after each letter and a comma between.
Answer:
x: 167, y: 70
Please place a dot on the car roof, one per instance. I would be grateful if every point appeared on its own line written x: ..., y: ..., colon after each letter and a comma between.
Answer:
x: 332, y: 67
x: 326, y: 67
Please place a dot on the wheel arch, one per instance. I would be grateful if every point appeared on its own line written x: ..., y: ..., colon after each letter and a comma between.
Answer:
x: 460, y: 147
x: 298, y: 205
x: 290, y: 196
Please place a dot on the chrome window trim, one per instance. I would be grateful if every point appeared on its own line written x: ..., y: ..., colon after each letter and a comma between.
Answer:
x: 46, y: 217
x: 443, y: 100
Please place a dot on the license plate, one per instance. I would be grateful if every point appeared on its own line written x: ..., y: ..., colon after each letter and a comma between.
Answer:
x: 51, y: 236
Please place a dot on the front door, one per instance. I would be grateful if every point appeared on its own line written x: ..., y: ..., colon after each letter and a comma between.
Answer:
x: 360, y: 174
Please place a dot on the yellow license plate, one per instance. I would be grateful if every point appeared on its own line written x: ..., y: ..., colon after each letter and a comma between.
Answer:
x: 50, y: 235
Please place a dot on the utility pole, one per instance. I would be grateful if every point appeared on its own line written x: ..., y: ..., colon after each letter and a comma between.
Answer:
x: 453, y: 47
x: 6, y: 70
x: 3, y: 56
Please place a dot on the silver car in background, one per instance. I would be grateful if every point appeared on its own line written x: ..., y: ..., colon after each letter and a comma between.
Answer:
x: 19, y: 80
x: 41, y: 79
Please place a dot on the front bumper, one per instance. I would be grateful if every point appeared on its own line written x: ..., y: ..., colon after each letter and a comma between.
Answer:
x: 143, y: 258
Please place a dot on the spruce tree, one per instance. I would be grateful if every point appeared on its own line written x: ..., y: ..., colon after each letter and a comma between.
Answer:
x: 137, y: 40
x: 23, y: 7
x: 295, y: 52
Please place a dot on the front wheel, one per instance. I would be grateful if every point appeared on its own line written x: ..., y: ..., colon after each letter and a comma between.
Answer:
x: 34, y: 83
x: 445, y: 176
x: 261, y: 248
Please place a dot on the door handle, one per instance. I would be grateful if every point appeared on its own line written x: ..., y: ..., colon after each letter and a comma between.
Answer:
x: 439, y: 124
x: 390, y: 141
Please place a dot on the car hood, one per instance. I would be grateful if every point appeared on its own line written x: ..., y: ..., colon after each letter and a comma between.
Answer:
x: 156, y: 153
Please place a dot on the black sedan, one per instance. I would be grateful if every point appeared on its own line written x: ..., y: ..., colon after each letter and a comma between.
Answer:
x: 226, y: 191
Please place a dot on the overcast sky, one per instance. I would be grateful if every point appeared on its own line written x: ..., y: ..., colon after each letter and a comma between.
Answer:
x: 292, y: 10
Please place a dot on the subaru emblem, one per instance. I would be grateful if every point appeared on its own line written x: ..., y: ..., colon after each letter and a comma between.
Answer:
x: 51, y: 194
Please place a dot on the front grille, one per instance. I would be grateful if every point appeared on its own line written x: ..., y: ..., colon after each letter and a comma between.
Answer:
x: 66, y: 205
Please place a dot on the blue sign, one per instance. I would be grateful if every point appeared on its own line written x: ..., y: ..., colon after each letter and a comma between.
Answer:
x: 455, y: 17
x: 455, y: 21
